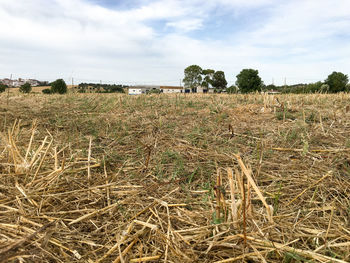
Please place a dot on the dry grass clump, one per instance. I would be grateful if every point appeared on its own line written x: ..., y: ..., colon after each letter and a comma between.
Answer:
x: 152, y: 183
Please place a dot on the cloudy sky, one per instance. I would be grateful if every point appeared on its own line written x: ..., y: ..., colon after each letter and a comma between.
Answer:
x: 152, y: 41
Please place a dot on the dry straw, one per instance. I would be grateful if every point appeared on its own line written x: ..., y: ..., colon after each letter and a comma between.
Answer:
x: 61, y: 205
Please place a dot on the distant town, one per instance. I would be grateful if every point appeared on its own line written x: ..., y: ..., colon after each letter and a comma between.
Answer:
x: 19, y: 82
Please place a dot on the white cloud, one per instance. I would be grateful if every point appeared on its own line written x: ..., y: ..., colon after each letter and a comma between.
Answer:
x: 155, y: 41
x: 186, y: 25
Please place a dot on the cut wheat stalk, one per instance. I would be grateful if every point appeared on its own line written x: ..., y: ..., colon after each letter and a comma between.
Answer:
x: 232, y: 192
x: 256, y: 189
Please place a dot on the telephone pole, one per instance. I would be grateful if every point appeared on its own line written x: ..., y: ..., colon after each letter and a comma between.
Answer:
x: 8, y: 91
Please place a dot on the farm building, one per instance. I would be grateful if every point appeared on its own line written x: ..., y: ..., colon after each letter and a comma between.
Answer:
x: 145, y: 89
x: 172, y: 89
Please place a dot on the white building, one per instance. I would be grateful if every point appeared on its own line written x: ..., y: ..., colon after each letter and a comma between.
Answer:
x: 134, y: 91
x: 145, y: 89
x: 19, y: 82
x: 172, y: 89
x: 137, y: 90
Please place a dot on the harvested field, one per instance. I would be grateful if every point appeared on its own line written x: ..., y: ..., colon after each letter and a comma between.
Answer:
x: 170, y: 178
x: 38, y: 89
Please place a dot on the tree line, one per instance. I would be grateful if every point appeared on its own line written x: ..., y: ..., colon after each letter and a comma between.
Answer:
x: 59, y: 86
x: 101, y: 88
x: 248, y: 80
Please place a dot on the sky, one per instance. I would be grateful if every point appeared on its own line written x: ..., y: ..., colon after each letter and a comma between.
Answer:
x: 153, y: 41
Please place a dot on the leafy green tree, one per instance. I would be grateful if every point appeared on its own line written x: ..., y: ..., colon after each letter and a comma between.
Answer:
x: 193, y: 77
x: 219, y: 80
x: 59, y: 86
x: 208, y: 75
x: 337, y: 81
x: 25, y: 88
x: 248, y: 80
x: 3, y: 87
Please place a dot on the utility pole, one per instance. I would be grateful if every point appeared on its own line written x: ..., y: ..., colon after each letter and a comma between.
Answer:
x: 7, y: 106
x: 8, y: 91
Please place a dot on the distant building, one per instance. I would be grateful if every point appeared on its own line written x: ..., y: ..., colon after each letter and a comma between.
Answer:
x: 142, y: 89
x: 19, y: 82
x: 201, y: 89
x: 33, y: 82
x: 7, y: 82
x: 172, y: 89
x: 198, y: 89
x: 146, y: 89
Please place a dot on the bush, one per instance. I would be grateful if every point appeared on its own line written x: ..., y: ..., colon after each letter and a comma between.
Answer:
x: 232, y: 89
x: 59, y: 86
x: 25, y: 88
x: 3, y: 87
x: 153, y: 91
x: 337, y: 82
x: 324, y: 88
x: 46, y: 91
x: 248, y: 80
x: 347, y: 88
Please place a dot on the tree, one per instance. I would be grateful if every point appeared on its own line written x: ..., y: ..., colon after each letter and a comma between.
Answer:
x: 219, y: 80
x: 208, y: 75
x: 313, y: 87
x: 232, y: 89
x: 25, y: 88
x: 193, y: 77
x: 337, y: 82
x: 59, y: 86
x: 248, y: 80
x: 3, y: 87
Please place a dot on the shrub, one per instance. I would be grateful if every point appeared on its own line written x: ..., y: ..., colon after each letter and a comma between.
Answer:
x: 59, y: 86
x: 154, y: 91
x: 46, y: 91
x: 3, y: 87
x: 25, y: 88
x: 232, y: 89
